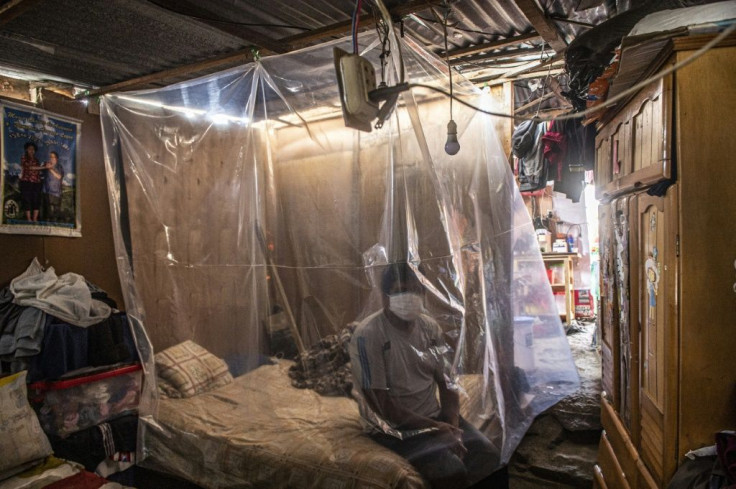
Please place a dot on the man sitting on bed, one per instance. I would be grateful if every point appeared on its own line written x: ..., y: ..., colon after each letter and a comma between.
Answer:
x: 398, y: 361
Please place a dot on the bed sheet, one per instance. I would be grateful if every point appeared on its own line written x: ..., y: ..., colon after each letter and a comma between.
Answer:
x: 259, y: 431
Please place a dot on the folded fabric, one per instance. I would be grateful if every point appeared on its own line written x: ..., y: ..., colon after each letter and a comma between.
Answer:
x: 64, y: 349
x: 190, y: 369
x: 93, y: 445
x: 43, y: 473
x: 67, y: 348
x: 21, y: 329
x: 66, y: 297
x: 84, y: 480
x: 111, y: 341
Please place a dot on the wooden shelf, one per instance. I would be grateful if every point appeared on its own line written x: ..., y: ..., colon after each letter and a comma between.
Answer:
x: 563, y: 261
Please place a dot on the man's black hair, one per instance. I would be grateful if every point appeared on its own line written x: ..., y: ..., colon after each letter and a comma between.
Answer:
x: 398, y: 272
x: 55, y: 154
x: 29, y: 144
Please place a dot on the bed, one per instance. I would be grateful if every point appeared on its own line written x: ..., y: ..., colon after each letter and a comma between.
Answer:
x: 259, y: 431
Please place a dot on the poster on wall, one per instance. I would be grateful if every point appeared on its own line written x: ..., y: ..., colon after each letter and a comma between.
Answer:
x: 39, y: 173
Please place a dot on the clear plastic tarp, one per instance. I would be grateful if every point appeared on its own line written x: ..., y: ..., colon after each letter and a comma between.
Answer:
x: 249, y: 220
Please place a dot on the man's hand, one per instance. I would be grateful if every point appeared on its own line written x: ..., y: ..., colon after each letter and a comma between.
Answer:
x: 452, y: 436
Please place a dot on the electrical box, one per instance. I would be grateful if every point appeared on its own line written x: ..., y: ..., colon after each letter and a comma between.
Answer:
x: 356, y: 78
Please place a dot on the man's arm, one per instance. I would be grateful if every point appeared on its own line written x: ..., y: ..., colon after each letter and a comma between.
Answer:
x: 29, y: 166
x: 54, y: 172
x: 449, y: 435
x: 449, y: 401
x: 384, y: 405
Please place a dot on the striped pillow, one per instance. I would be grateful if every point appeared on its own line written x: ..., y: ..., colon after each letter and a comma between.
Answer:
x: 190, y: 370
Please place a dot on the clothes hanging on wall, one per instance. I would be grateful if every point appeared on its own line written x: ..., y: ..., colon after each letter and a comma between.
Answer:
x: 528, y: 147
x: 569, y: 148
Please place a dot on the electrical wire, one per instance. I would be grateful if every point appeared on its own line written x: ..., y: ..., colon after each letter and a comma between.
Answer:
x: 447, y: 51
x: 355, y: 23
x: 387, y: 19
x: 611, y: 101
x: 383, y: 35
x: 544, y: 83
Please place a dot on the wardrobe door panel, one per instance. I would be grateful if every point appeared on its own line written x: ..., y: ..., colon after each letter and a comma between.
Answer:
x: 608, y: 315
x: 625, y: 241
x: 658, y: 326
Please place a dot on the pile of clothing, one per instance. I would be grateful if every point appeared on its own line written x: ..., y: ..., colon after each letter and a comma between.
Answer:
x: 79, y: 363
x: 325, y: 368
x: 37, y: 298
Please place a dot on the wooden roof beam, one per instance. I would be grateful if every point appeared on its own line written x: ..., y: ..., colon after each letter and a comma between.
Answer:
x: 535, y: 66
x: 534, y: 103
x: 542, y: 24
x: 498, y: 79
x: 490, y: 46
x: 510, y: 54
x: 554, y: 85
x: 238, y: 57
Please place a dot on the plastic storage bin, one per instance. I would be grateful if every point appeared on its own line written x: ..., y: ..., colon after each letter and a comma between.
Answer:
x: 67, y: 406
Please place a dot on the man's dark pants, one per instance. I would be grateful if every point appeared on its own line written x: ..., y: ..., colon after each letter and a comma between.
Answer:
x: 439, y: 464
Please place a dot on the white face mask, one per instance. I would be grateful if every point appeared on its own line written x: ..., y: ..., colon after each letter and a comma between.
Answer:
x: 407, y: 306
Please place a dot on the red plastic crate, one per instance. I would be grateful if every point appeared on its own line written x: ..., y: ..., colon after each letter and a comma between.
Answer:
x: 67, y: 406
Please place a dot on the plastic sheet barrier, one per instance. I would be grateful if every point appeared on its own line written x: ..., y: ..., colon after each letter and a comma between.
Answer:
x: 249, y: 221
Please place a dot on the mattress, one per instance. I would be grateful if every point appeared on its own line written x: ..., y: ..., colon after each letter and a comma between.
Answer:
x: 259, y: 431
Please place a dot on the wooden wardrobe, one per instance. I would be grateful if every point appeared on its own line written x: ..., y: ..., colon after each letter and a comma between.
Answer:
x: 668, y: 299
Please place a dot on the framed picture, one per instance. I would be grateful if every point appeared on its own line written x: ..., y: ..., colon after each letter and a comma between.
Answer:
x: 39, y: 174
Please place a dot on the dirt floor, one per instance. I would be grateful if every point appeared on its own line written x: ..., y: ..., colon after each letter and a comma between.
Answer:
x: 559, y: 450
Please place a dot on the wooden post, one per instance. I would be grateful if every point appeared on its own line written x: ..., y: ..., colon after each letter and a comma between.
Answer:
x: 503, y: 101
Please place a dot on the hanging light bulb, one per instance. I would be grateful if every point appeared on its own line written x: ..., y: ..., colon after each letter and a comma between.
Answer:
x: 452, y: 145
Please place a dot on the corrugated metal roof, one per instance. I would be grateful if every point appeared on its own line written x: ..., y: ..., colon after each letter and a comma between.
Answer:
x: 103, y: 42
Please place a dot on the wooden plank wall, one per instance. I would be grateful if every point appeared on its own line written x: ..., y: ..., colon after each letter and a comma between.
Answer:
x: 196, y: 199
x: 198, y: 268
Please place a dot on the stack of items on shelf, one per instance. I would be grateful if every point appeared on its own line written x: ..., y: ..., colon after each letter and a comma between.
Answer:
x: 65, y: 348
